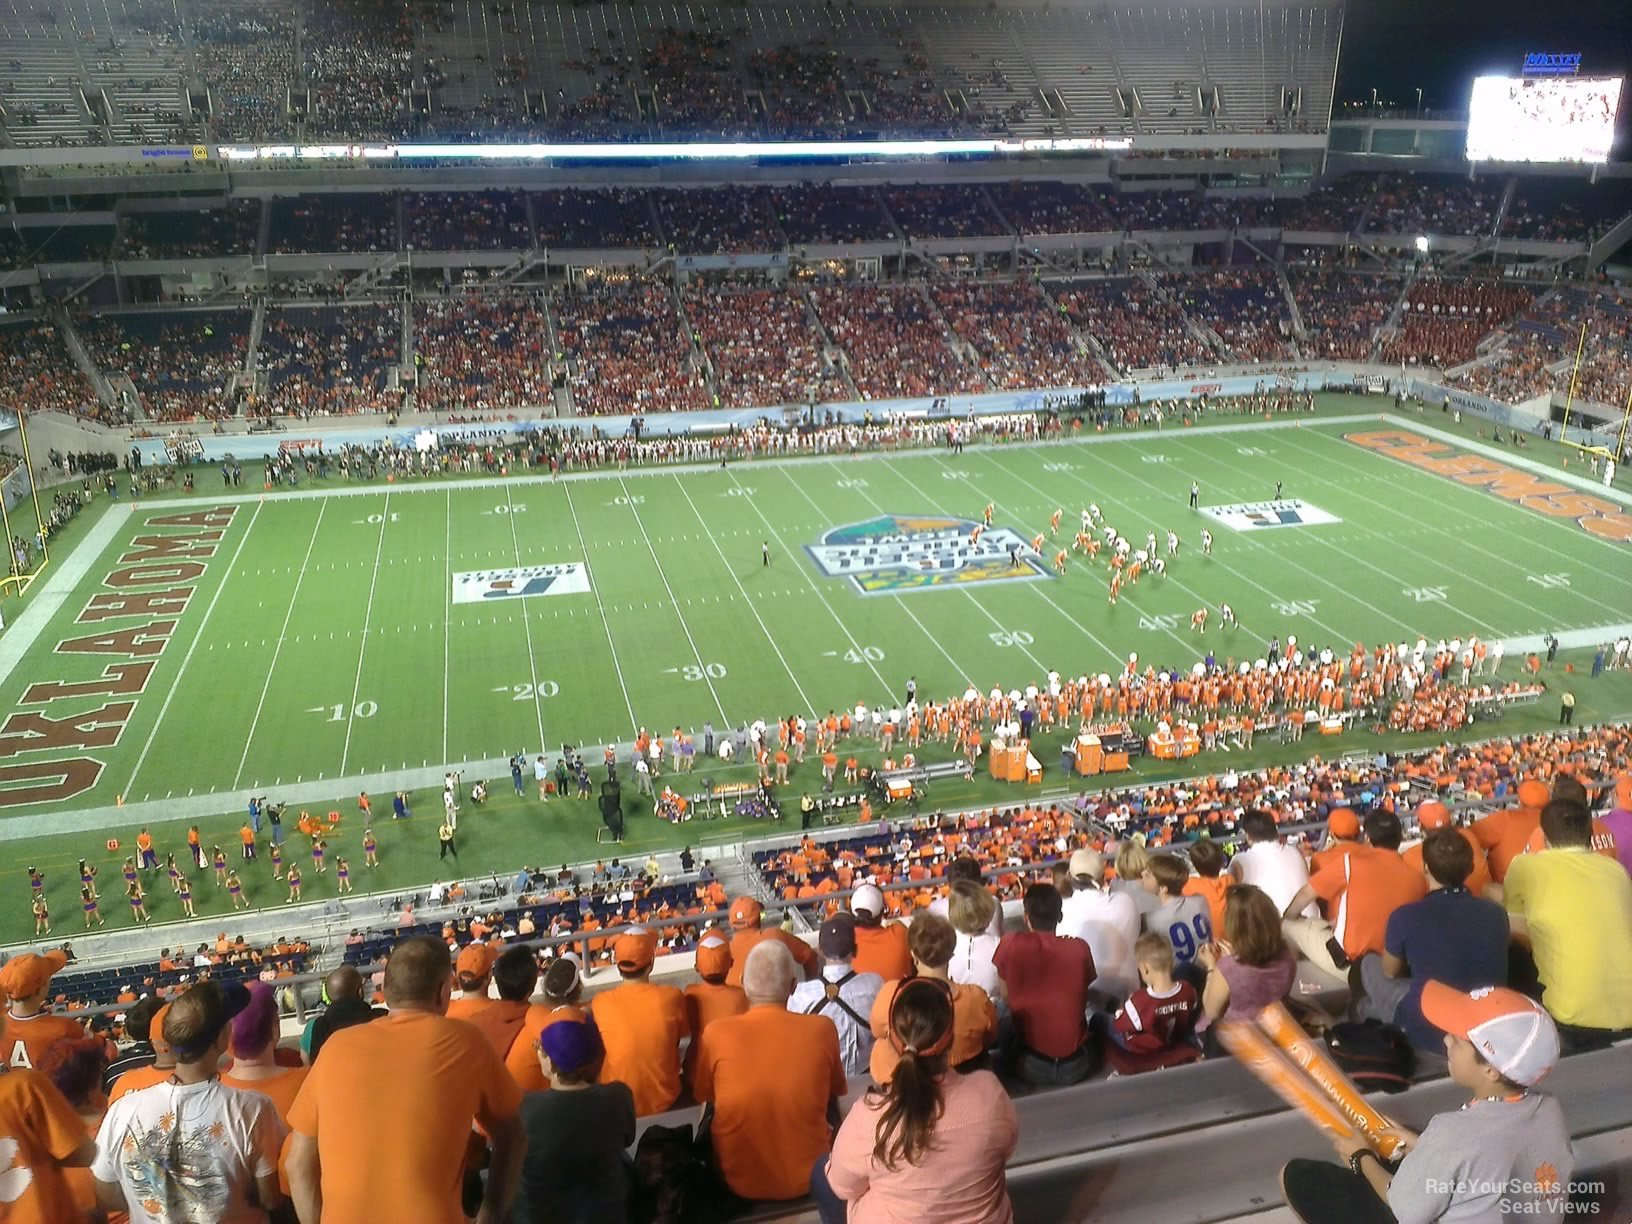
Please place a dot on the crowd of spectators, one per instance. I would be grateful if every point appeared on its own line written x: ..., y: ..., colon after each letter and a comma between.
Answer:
x: 815, y: 212
x: 804, y: 89
x: 1341, y: 310
x: 719, y: 221
x: 1333, y: 207
x: 246, y: 54
x: 1186, y: 210
x: 628, y: 351
x: 1444, y: 320
x: 344, y: 223
x: 1051, y: 208
x: 1242, y: 305
x: 941, y: 211
x: 1138, y: 327
x: 481, y: 352
x: 692, y: 76
x: 359, y: 64
x: 326, y: 361
x: 210, y: 233
x: 38, y: 374
x: 1433, y: 204
x: 181, y: 363
x: 762, y: 348
x: 467, y: 221
x: 1564, y: 212
x: 609, y: 218
x: 894, y: 345
x: 1020, y: 339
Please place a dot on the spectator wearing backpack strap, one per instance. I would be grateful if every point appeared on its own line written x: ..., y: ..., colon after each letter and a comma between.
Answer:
x: 841, y: 994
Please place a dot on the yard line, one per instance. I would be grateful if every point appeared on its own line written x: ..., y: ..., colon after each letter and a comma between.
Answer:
x: 820, y: 594
x: 447, y: 620
x: 272, y: 668
x: 1465, y: 542
x: 803, y: 696
x: 527, y: 622
x: 684, y: 628
x: 617, y: 667
x: 1188, y: 646
x: 1035, y: 587
x: 368, y: 612
x: 1358, y: 560
x: 188, y: 658
x: 1262, y: 545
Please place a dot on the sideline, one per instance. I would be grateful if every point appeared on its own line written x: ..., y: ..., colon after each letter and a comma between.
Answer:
x: 20, y: 636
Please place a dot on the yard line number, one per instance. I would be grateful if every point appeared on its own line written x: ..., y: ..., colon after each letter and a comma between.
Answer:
x: 337, y: 712
x: 527, y: 692
x: 1010, y: 637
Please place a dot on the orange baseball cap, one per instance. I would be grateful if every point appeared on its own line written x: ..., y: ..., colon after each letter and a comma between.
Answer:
x: 475, y: 961
x: 1433, y: 815
x: 1512, y: 1033
x: 31, y: 972
x: 155, y: 1030
x: 1343, y: 823
x: 745, y: 912
x: 1533, y: 793
x: 714, y: 956
x: 635, y: 949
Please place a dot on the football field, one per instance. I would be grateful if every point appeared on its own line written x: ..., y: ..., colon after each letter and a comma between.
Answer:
x: 231, y: 643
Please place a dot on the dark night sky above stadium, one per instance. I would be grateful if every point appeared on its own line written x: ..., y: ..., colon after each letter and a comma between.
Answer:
x: 1439, y: 46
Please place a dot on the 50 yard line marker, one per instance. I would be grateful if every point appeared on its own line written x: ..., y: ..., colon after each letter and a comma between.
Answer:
x: 368, y: 613
x: 272, y: 667
x: 188, y: 658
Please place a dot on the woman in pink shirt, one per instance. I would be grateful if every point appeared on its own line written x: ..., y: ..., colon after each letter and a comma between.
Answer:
x: 930, y: 1145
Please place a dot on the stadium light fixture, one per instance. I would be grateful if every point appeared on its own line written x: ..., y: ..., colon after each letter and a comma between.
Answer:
x: 1422, y: 244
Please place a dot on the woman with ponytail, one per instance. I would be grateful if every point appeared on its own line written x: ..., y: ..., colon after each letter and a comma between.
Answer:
x: 929, y: 1145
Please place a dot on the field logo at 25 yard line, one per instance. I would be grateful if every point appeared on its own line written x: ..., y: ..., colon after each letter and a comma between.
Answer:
x: 521, y: 582
x: 897, y: 552
x: 1253, y: 516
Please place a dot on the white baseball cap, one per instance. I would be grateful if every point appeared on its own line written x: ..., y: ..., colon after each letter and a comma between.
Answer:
x: 1512, y: 1033
x: 868, y: 897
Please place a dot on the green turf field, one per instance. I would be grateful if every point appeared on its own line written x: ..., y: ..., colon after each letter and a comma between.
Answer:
x: 322, y: 643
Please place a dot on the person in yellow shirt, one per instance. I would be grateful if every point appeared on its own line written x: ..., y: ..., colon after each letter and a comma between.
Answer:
x: 1573, y: 908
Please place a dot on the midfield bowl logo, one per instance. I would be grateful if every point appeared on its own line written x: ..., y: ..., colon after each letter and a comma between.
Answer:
x: 522, y: 582
x: 897, y: 552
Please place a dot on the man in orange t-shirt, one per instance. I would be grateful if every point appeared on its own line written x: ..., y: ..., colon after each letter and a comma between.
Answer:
x: 30, y: 1029
x: 881, y: 947
x: 772, y: 1077
x: 156, y: 1072
x: 641, y: 1026
x: 746, y: 913
x: 426, y: 1077
x: 45, y: 1136
x: 515, y: 974
x: 1435, y: 815
x: 1364, y: 887
x: 1505, y: 834
x: 563, y: 988
x: 1342, y: 835
x: 710, y: 999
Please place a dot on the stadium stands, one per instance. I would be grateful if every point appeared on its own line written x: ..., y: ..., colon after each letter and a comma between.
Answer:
x: 893, y: 343
x: 1341, y: 311
x: 349, y: 224
x: 323, y: 361
x: 481, y: 352
x: 467, y: 221
x: 1017, y: 339
x: 211, y: 233
x: 626, y: 350
x: 40, y: 375
x: 1444, y: 320
x: 1137, y: 326
x: 612, y: 218
x: 1243, y: 307
x: 721, y: 221
x: 181, y: 363
x: 762, y: 348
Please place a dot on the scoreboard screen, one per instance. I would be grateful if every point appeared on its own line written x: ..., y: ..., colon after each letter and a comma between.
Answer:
x: 1542, y: 119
